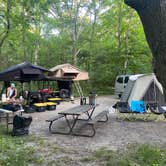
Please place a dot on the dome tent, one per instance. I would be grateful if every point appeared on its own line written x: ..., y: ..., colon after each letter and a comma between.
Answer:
x: 145, y: 87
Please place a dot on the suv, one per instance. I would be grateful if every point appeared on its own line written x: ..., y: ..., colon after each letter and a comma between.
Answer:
x: 120, y: 84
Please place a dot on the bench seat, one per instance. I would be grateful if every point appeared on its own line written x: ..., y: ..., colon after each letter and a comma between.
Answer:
x: 100, y: 117
x: 51, y: 120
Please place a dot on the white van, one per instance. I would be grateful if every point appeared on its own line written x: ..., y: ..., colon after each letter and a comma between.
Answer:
x: 120, y: 84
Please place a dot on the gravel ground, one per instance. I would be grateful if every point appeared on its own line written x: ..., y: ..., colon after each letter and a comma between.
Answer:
x: 115, y: 134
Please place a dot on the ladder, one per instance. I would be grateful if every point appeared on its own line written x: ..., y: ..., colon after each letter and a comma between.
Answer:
x: 78, y: 88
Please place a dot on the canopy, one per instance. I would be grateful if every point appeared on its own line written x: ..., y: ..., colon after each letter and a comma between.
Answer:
x: 23, y: 72
x: 67, y: 72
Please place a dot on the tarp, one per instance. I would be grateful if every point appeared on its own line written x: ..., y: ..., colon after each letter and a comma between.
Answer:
x: 146, y: 87
x: 23, y: 72
x: 67, y: 72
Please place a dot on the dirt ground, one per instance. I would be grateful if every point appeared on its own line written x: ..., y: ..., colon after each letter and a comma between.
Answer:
x: 115, y: 134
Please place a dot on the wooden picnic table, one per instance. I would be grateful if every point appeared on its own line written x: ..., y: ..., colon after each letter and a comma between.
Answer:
x: 75, y: 113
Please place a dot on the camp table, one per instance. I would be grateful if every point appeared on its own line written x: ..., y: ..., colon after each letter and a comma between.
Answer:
x: 75, y: 113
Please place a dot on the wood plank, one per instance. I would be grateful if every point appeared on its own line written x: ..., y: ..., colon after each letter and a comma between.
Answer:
x: 78, y: 110
x: 55, y: 118
x: 98, y: 117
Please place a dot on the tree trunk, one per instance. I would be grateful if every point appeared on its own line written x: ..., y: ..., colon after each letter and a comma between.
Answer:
x: 7, y: 26
x: 153, y: 17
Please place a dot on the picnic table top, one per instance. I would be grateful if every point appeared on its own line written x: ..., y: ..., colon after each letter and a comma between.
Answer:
x: 9, y: 111
x: 78, y: 110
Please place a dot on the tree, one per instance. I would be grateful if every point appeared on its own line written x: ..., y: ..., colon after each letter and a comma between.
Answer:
x: 153, y: 16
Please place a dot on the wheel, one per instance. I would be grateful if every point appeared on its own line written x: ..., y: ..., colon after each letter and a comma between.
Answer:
x: 64, y: 93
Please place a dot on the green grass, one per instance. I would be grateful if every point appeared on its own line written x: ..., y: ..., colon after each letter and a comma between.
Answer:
x: 32, y: 150
x: 17, y: 151
x: 135, y: 155
x: 141, y: 117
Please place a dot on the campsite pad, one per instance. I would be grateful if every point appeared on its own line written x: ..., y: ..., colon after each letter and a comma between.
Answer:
x: 114, y: 134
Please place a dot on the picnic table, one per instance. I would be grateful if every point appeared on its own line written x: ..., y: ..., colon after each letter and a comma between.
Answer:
x: 6, y: 114
x: 76, y: 113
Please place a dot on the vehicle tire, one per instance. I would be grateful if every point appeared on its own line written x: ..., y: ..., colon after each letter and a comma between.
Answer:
x: 64, y: 93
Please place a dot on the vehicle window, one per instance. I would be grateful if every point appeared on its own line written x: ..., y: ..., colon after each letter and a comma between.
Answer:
x: 120, y: 80
x: 126, y: 80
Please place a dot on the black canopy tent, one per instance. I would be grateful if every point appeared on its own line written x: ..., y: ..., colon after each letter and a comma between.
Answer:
x: 23, y: 72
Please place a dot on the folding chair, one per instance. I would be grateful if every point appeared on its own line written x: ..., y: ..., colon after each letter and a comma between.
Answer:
x: 156, y: 108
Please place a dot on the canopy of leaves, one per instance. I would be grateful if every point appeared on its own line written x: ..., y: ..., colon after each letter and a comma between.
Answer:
x: 103, y: 37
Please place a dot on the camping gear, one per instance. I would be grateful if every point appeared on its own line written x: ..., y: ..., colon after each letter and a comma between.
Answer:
x: 137, y: 106
x: 122, y: 107
x: 23, y: 72
x: 92, y: 98
x: 29, y: 109
x: 145, y: 87
x: 11, y: 107
x: 82, y: 100
x: 67, y: 72
x: 21, y: 125
x: 51, y: 106
x: 40, y: 107
x: 156, y: 108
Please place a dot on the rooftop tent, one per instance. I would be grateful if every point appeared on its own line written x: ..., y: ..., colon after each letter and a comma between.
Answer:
x: 67, y: 72
x: 143, y: 87
x: 23, y: 72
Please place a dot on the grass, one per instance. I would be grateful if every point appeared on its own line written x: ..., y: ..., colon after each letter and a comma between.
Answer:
x: 17, y: 151
x: 31, y: 150
x: 135, y: 155
x: 141, y: 117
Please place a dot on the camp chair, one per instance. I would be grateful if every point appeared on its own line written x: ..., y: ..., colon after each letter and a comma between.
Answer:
x: 156, y: 108
x: 122, y: 107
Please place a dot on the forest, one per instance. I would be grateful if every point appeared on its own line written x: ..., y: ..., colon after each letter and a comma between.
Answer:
x: 105, y: 38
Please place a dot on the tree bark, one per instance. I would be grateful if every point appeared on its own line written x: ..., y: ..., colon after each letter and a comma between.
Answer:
x: 153, y: 16
x: 8, y: 3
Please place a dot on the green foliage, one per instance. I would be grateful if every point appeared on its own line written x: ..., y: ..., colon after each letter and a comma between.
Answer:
x: 135, y: 155
x: 15, y: 151
x: 105, y: 38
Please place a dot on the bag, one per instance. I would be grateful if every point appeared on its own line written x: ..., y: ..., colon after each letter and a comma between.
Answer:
x: 137, y: 106
x: 21, y: 125
x: 12, y: 107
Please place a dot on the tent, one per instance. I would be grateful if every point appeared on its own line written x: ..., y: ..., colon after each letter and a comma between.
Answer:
x: 67, y: 72
x: 23, y: 72
x: 144, y: 87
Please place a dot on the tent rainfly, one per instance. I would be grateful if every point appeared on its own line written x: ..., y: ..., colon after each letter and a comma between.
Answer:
x: 23, y: 72
x: 67, y: 72
x: 143, y: 87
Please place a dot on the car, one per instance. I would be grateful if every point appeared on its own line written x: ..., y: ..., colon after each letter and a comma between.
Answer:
x: 120, y: 84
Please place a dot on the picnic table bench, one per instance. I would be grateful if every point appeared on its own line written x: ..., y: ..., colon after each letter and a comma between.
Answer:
x: 51, y: 120
x: 7, y: 113
x: 75, y: 113
x: 97, y: 118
